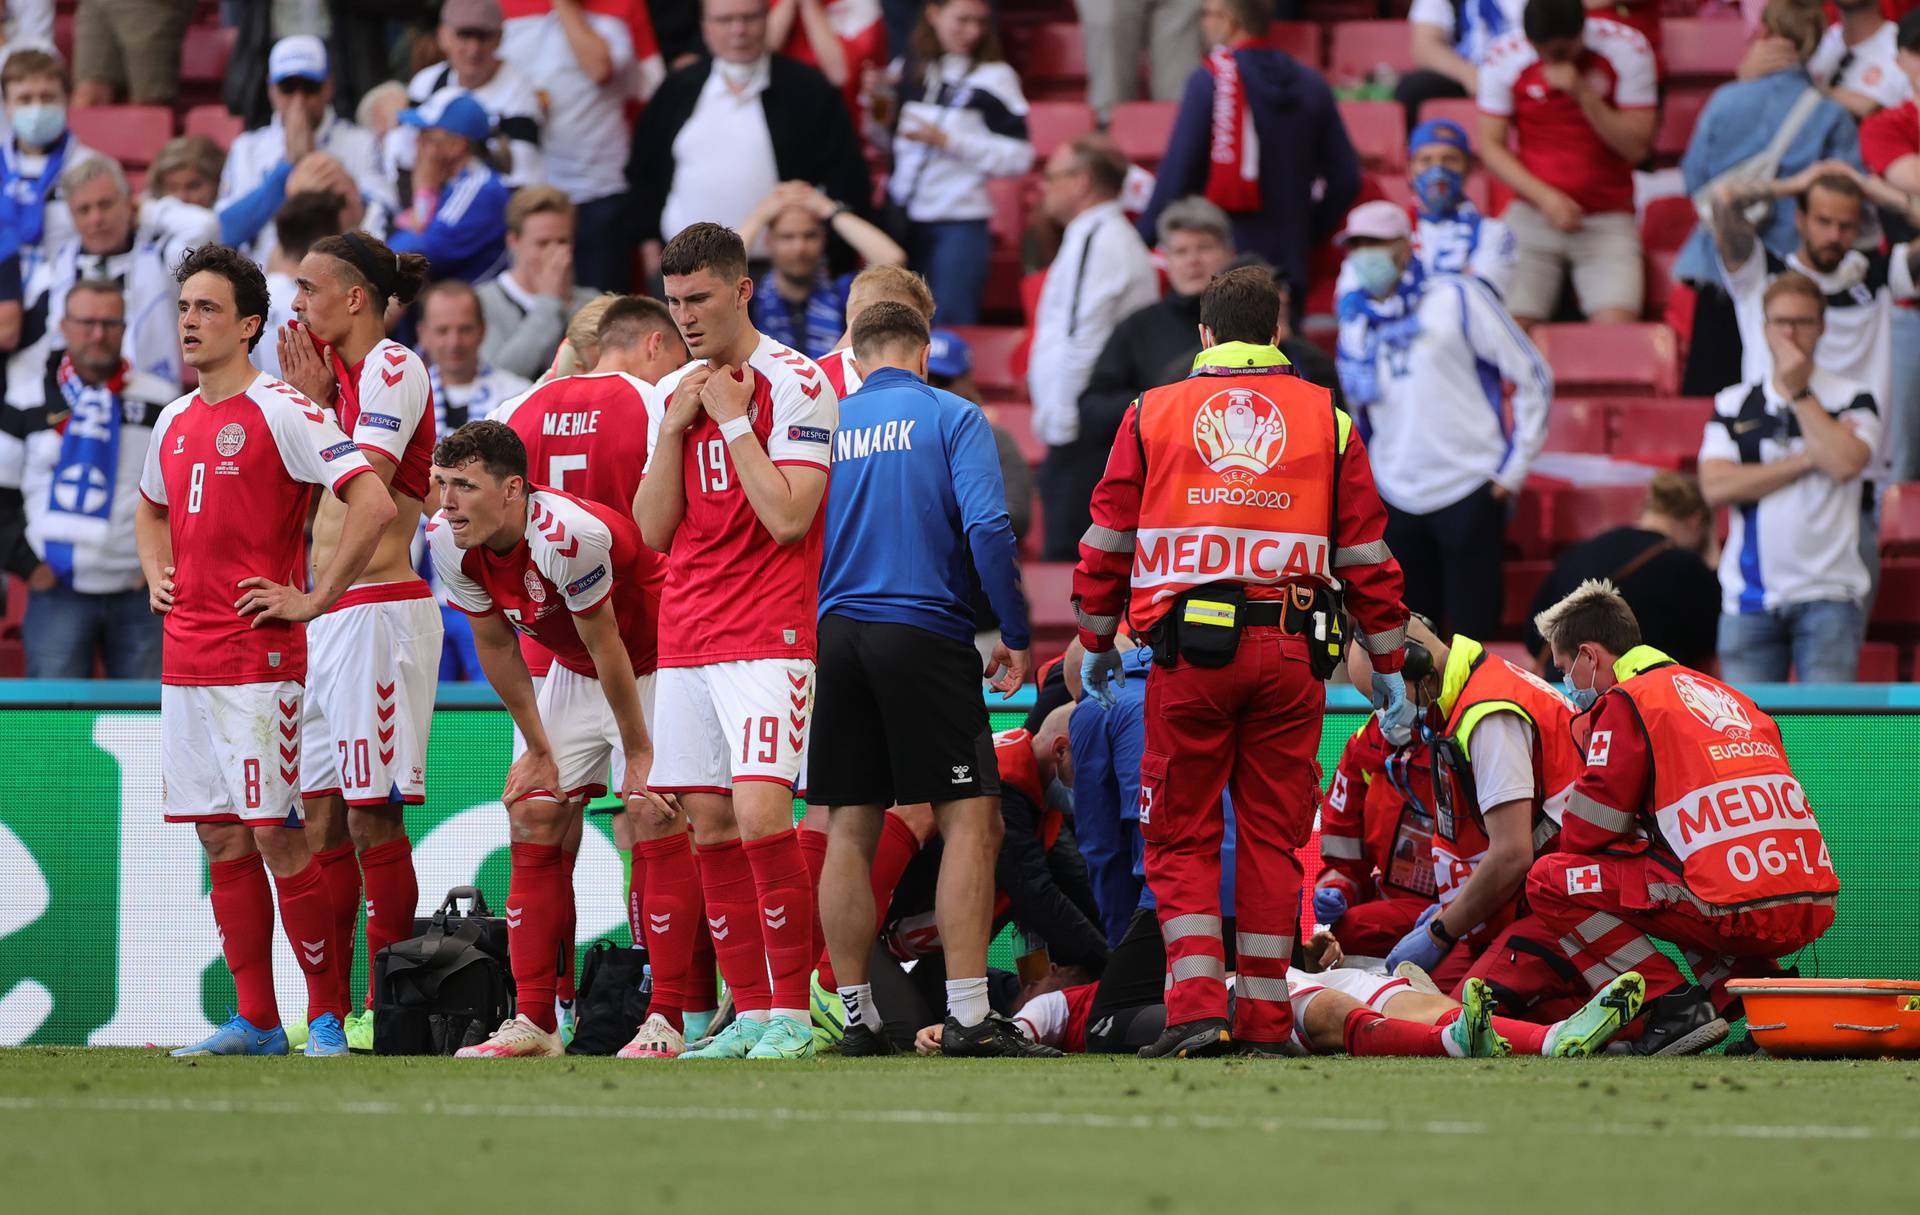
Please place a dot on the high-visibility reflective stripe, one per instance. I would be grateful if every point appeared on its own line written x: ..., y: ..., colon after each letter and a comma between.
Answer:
x: 1263, y: 945
x: 1342, y: 847
x: 1197, y: 966
x: 1100, y: 626
x: 1673, y: 892
x: 1602, y: 816
x: 1374, y: 552
x: 1543, y: 831
x: 1596, y: 926
x: 1630, y: 956
x: 1107, y: 540
x: 1260, y: 987
x: 1195, y: 925
x: 1387, y: 642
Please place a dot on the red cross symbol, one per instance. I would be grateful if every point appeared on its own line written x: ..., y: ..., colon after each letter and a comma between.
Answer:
x: 1584, y: 880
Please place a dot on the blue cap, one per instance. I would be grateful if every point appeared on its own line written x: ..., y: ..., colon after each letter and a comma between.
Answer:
x: 1439, y: 130
x: 449, y: 111
x: 948, y: 355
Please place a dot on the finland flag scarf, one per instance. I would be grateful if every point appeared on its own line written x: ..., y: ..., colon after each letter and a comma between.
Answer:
x: 80, y: 501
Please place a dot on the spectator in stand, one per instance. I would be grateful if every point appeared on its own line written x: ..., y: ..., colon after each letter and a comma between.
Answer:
x: 1786, y: 450
x: 459, y: 213
x: 1890, y: 146
x: 1741, y: 120
x: 1449, y: 41
x: 845, y: 39
x: 1277, y: 158
x: 261, y: 161
x: 1450, y: 235
x: 452, y: 330
x: 1117, y: 31
x: 962, y: 121
x: 303, y: 219
x: 25, y: 24
x: 583, y: 63
x: 1422, y: 358
x: 1661, y: 562
x: 1578, y: 94
x: 1157, y: 344
x: 187, y: 167
x: 1103, y: 274
x: 1856, y: 63
x: 799, y: 302
x: 36, y: 147
x: 70, y: 460
x: 527, y: 307
x: 130, y: 47
x: 469, y: 36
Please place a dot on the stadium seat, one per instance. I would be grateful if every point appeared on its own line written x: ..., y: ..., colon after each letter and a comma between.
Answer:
x: 994, y: 367
x: 1678, y: 114
x: 1665, y: 430
x: 1641, y: 359
x: 1706, y: 49
x: 1460, y: 109
x: 1054, y: 65
x: 223, y: 128
x: 1898, y: 603
x: 1359, y: 47
x: 1300, y: 39
x: 203, y: 56
x: 1142, y: 129
x: 1667, y: 223
x: 1578, y: 425
x: 1016, y: 418
x: 1582, y: 511
x: 1879, y: 662
x: 1521, y: 579
x: 1378, y: 131
x: 131, y: 134
x: 1052, y: 123
x: 1049, y: 587
x: 1900, y: 520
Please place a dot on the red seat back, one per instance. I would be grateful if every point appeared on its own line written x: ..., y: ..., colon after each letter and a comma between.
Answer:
x: 131, y: 134
x: 1052, y: 123
x: 1142, y: 129
x: 1361, y: 46
x: 1639, y: 359
x: 215, y: 123
x: 1378, y: 131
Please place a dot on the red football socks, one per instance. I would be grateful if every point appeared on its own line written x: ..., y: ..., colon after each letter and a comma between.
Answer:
x: 813, y: 849
x: 1369, y: 1033
x: 243, y: 910
x: 393, y: 896
x: 340, y: 869
x: 703, y: 975
x: 733, y: 914
x: 672, y: 914
x: 306, y: 916
x: 1526, y: 1037
x: 898, y: 846
x: 786, y: 917
x: 537, y: 899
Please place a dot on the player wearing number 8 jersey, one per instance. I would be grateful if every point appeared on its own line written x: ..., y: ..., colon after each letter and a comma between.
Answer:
x: 732, y: 496
x: 1687, y: 824
x: 222, y: 533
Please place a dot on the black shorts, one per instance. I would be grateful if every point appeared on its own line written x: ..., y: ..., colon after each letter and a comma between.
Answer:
x: 898, y: 718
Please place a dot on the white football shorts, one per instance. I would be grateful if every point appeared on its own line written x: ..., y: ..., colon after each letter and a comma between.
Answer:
x: 733, y: 721
x: 231, y: 754
x: 582, y: 732
x: 373, y: 665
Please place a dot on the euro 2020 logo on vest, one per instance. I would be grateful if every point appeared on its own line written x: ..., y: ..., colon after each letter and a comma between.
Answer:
x: 1240, y: 434
x: 1714, y: 706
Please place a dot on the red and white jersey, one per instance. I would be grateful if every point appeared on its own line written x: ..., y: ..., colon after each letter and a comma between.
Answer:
x: 590, y: 435
x: 1554, y: 139
x: 1059, y: 1018
x: 575, y: 553
x: 386, y: 403
x: 862, y: 34
x: 734, y: 593
x: 236, y: 478
x: 841, y: 373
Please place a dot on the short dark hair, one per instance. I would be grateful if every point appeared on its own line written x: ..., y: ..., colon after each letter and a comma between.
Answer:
x: 242, y: 273
x: 96, y: 286
x: 1546, y: 20
x: 705, y: 246
x: 1105, y: 164
x: 367, y: 262
x: 886, y: 326
x: 629, y: 319
x: 1241, y: 306
x: 1253, y: 16
x: 494, y: 444
x: 304, y: 218
x: 31, y: 64
x: 1595, y: 612
x: 1836, y: 183
x: 453, y: 286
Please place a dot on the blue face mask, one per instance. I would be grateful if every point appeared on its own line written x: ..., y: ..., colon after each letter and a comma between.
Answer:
x: 1582, y: 698
x: 1440, y: 190
x: 1376, y: 271
x: 37, y: 126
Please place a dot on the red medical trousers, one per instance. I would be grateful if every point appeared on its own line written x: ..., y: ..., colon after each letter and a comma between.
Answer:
x: 1252, y: 727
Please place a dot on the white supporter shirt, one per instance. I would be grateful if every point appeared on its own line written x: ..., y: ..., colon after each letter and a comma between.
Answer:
x: 1439, y: 430
x: 1872, y: 67
x: 1102, y: 274
x: 255, y: 153
x: 509, y: 99
x: 724, y: 188
x: 1479, y: 245
x: 280, y: 292
x: 1472, y: 38
x: 586, y: 138
x: 56, y: 225
x: 1800, y: 543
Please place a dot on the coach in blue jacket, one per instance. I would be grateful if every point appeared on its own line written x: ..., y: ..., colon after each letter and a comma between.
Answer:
x: 915, y: 506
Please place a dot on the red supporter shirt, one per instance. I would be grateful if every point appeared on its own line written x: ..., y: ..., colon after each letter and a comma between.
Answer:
x: 862, y: 35
x: 733, y: 593
x: 386, y: 404
x: 236, y: 479
x: 589, y: 435
x: 575, y: 553
x: 1888, y: 135
x: 1554, y: 140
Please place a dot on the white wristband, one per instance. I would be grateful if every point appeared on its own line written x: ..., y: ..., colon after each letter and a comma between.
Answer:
x: 733, y: 428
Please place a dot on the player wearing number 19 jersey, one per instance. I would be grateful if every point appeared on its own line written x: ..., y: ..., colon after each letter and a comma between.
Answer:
x: 733, y: 495
x: 221, y: 525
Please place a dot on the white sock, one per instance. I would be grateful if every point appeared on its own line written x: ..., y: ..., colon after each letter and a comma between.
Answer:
x: 1546, y: 1043
x: 967, y: 1000
x: 861, y: 1009
x: 761, y: 1015
x: 803, y: 1015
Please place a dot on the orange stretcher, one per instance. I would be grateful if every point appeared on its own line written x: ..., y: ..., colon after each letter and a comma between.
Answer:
x: 1861, y: 1018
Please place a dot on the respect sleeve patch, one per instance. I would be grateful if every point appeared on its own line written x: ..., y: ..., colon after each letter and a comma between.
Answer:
x: 809, y: 434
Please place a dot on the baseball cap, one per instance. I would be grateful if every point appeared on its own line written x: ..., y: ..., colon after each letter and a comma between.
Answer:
x: 1439, y: 130
x: 1376, y: 220
x: 471, y: 15
x: 451, y: 111
x: 948, y: 355
x: 300, y: 56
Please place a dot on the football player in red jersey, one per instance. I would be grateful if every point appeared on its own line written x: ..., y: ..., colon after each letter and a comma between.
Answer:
x: 570, y: 574
x: 376, y: 653
x: 732, y: 496
x: 222, y: 535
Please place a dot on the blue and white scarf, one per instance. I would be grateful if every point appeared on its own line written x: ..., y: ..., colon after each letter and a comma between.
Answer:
x: 80, y: 500
x: 23, y: 199
x: 813, y: 334
x: 1370, y: 327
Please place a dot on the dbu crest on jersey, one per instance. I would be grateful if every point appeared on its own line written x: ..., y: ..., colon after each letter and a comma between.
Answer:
x: 230, y: 440
x: 536, y: 590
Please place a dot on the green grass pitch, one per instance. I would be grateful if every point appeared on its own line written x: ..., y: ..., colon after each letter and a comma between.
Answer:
x: 132, y: 1131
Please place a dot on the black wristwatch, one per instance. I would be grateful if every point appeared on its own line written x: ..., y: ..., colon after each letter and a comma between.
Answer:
x: 1439, y: 933
x: 1805, y: 394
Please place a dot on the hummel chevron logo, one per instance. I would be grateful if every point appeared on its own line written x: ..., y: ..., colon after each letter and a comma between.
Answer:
x: 776, y: 916
x: 718, y: 929
x: 315, y: 952
x: 513, y: 917
x: 383, y: 690
x: 393, y: 377
x: 811, y: 390
x: 661, y: 922
x: 397, y: 356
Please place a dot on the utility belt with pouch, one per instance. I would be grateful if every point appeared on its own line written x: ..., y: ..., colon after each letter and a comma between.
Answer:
x: 1204, y: 625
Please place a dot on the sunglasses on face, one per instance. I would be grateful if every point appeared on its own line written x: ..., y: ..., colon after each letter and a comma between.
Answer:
x: 300, y: 86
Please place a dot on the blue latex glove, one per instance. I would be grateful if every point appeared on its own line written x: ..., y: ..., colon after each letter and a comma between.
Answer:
x: 1096, y: 669
x: 1419, y: 946
x: 1397, y: 713
x: 1329, y: 905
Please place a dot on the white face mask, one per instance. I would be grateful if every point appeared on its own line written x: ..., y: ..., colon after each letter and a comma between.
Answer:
x: 37, y: 126
x: 736, y: 75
